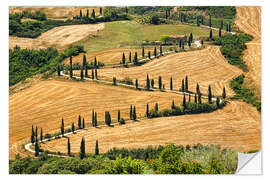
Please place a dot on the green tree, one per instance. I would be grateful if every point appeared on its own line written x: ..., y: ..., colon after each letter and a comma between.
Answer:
x: 81, y: 74
x: 93, y: 14
x: 83, y: 124
x: 96, y: 149
x: 189, y: 42
x: 32, y: 135
x: 93, y: 118
x: 218, y: 102
x: 134, y: 113
x: 129, y: 57
x: 224, y: 93
x: 173, y: 105
x: 211, y: 34
x: 198, y: 21
x: 96, y: 123
x: 195, y: 99
x: 189, y: 98
x: 191, y: 37
x: 209, y: 94
x: 155, y: 52
x: 147, y: 83
x: 118, y: 116
x: 93, y: 76
x: 171, y: 84
x: 210, y: 21
x: 221, y: 24
x: 156, y: 107
x: 100, y: 11
x: 183, y: 45
x: 186, y: 84
x: 84, y: 61
x: 147, y: 110
x: 123, y: 58
x: 198, y: 89
x: 136, y: 83
x: 79, y: 122
x: 135, y: 60
x: 82, y: 149
x: 200, y: 98
x: 159, y: 82
x: 143, y: 51
x: 108, y: 118
x: 70, y: 67
x: 96, y: 74
x: 36, y: 148
x: 152, y: 83
x: 73, y: 128
x: 86, y: 71
x: 219, y: 32
x: 180, y: 43
x: 183, y: 86
x: 165, y: 38
x: 95, y: 62
x: 160, y: 50
x: 114, y: 80
x: 36, y: 133
x: 202, y: 42
x: 41, y: 135
x: 184, y: 104
x: 130, y: 113
x: 58, y: 70
x: 80, y: 13
x: 87, y: 13
x: 62, y: 127
x: 149, y: 55
x: 68, y: 147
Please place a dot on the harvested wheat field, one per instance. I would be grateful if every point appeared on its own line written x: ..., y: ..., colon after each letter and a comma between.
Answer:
x: 236, y: 126
x: 205, y: 67
x: 249, y: 21
x: 44, y: 104
x: 57, y: 37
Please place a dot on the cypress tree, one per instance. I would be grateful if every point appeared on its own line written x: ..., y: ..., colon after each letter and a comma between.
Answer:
x: 93, y: 76
x: 134, y: 113
x: 70, y: 67
x: 80, y: 13
x: 211, y: 34
x: 219, y: 32
x: 87, y: 13
x: 32, y: 135
x: 73, y: 128
x: 62, y: 127
x: 209, y: 94
x: 41, y: 135
x: 114, y: 80
x: 58, y: 70
x: 152, y: 83
x: 68, y: 147
x: 188, y: 97
x: 159, y: 82
x: 143, y: 51
x: 82, y: 149
x: 96, y: 74
x: 135, y: 60
x: 184, y: 102
x: 83, y: 123
x: 129, y: 57
x: 156, y: 107
x: 210, y: 21
x: 198, y: 89
x: 36, y: 148
x: 195, y: 98
x: 93, y: 13
x: 107, y: 118
x: 136, y: 83
x: 163, y: 86
x: 180, y: 43
x: 96, y: 123
x: 147, y: 83
x: 84, y: 61
x: 221, y: 24
x: 186, y: 84
x: 202, y: 20
x: 173, y: 105
x: 123, y: 58
x: 202, y: 42
x: 147, y: 110
x: 100, y: 11
x: 160, y: 49
x: 171, y: 84
x: 149, y: 55
x: 126, y: 9
x: 81, y: 74
x: 224, y: 93
x: 155, y: 52
x: 200, y: 98
x: 198, y: 21
x: 183, y: 45
x: 36, y: 133
x: 189, y: 42
x: 93, y: 118
x: 218, y: 102
x: 79, y: 122
x: 227, y: 27
x: 191, y: 37
x: 95, y: 62
x: 96, y: 149
x: 183, y: 85
x: 130, y: 113
x: 118, y: 116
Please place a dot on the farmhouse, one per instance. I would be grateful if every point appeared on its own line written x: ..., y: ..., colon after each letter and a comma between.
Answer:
x: 176, y: 38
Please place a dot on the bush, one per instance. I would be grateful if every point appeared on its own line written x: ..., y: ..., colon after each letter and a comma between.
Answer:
x: 127, y: 81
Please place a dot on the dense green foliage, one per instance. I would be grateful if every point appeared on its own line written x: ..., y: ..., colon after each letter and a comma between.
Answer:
x: 232, y: 47
x: 169, y: 159
x: 244, y: 93
x: 24, y: 63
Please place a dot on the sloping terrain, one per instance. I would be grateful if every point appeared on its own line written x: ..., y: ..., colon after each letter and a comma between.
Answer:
x: 205, y: 67
x: 45, y: 103
x: 57, y: 37
x: 235, y: 126
x: 249, y: 21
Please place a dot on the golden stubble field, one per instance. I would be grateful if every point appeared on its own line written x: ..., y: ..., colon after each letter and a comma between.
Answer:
x: 249, y: 20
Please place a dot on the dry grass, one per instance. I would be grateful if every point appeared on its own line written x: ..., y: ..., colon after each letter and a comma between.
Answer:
x: 252, y: 56
x: 57, y: 37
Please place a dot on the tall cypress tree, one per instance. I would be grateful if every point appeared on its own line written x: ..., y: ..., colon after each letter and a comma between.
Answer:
x: 184, y: 102
x: 171, y: 84
x: 219, y: 32
x: 79, y: 122
x: 221, y: 24
x: 224, y: 93
x: 191, y: 37
x: 183, y: 86
x: 96, y: 74
x: 80, y: 13
x: 73, y: 128
x: 147, y: 110
x: 195, y: 98
x: 210, y: 21
x: 211, y: 34
x: 84, y: 61
x: 107, y: 118
x: 149, y: 55
x: 156, y: 107
x: 82, y: 149
x: 130, y: 113
x: 83, y: 124
x: 136, y: 83
x: 198, y: 89
x: 81, y: 74
x: 70, y: 67
x: 118, y: 116
x: 41, y: 135
x: 202, y: 42
x: 152, y: 83
x: 96, y: 149
x: 68, y: 147
x: 93, y: 76
x: 173, y: 105
x: 36, y: 148
x: 96, y: 123
x: 209, y: 94
x: 93, y: 13
x: 198, y: 21
x: 114, y: 80
x: 87, y: 13
x: 147, y: 83
x: 93, y: 118
x: 100, y: 11
x: 36, y: 133
x: 159, y: 82
x: 129, y: 57
x: 32, y: 135
x: 160, y: 50
x: 58, y: 70
x: 200, y: 98
x: 155, y: 52
x: 143, y: 51
x: 186, y: 84
x: 134, y: 113
x: 62, y: 127
x: 95, y: 62
x: 189, y: 98
x: 218, y: 102
x: 123, y: 58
